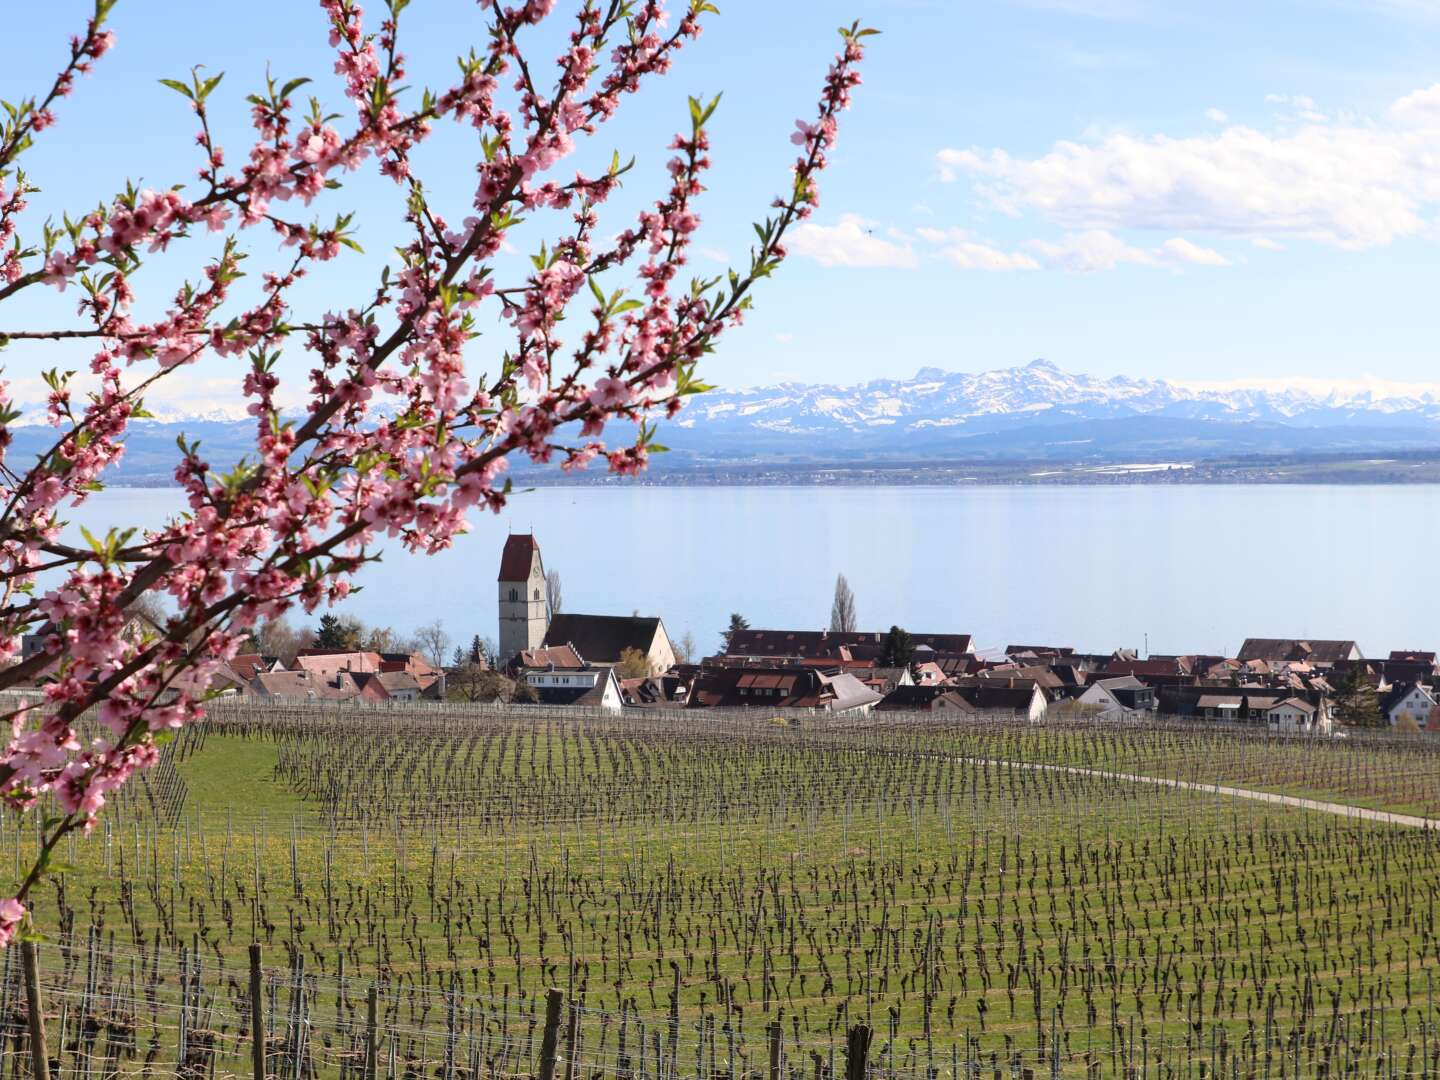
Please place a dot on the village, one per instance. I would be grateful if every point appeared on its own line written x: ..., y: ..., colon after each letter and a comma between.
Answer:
x: 629, y: 662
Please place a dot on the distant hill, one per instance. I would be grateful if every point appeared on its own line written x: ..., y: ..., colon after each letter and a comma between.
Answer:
x: 1034, y: 413
x: 1039, y: 412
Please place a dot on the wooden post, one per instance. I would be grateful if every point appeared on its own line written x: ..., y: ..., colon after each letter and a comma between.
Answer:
x: 39, y: 1056
x: 257, y: 1015
x: 857, y: 1049
x: 777, y: 1033
x: 572, y: 1040
x: 372, y: 1031
x: 554, y: 1002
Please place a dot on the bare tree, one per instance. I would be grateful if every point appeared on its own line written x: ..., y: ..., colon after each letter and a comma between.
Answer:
x: 382, y: 639
x: 476, y: 682
x: 685, y: 649
x: 276, y: 637
x: 552, y: 591
x: 151, y: 608
x: 842, y: 608
x: 432, y: 640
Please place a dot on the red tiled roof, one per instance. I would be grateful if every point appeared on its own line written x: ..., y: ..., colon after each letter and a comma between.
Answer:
x: 520, y: 549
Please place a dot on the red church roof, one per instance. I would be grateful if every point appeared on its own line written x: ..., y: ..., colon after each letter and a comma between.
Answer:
x: 520, y: 549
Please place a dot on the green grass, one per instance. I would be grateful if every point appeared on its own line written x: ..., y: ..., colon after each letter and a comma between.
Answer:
x: 757, y: 862
x: 230, y: 774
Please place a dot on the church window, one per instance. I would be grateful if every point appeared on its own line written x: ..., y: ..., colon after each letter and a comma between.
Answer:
x: 537, y: 594
x: 514, y: 595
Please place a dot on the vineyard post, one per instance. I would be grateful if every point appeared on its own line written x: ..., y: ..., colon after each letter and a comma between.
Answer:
x: 39, y: 1056
x: 777, y: 1033
x: 372, y: 1031
x: 257, y: 1014
x: 572, y: 1038
x: 857, y: 1049
x: 1429, y: 1019
x: 554, y: 1000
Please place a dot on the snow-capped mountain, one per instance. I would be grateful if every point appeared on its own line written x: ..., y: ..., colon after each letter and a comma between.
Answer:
x: 1032, y: 413
x: 1038, y: 410
x: 1037, y: 391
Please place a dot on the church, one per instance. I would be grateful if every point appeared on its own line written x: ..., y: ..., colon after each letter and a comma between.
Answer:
x: 527, y: 623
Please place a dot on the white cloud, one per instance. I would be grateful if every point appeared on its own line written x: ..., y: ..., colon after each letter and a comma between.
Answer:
x: 1096, y: 249
x: 852, y: 242
x: 1179, y: 250
x: 958, y: 247
x: 1298, y: 101
x: 189, y: 391
x: 714, y: 254
x: 784, y: 339
x: 856, y: 242
x: 1217, y: 115
x: 1356, y: 183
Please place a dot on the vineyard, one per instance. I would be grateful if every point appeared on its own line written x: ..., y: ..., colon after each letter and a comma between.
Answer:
x: 731, y: 896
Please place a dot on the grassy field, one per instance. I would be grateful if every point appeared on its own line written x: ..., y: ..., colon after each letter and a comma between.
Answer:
x: 924, y: 881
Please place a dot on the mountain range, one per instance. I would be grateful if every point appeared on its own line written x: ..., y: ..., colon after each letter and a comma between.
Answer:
x: 1040, y: 413
x: 1034, y: 413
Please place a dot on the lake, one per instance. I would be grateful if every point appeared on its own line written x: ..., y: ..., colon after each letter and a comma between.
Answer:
x: 1196, y: 568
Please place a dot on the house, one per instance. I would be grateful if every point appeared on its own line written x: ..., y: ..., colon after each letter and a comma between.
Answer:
x: 1225, y: 707
x: 331, y: 662
x: 778, y: 685
x: 1408, y: 704
x: 1009, y: 697
x: 1155, y: 667
x: 1124, y: 693
x: 555, y: 657
x: 593, y: 686
x: 224, y: 682
x: 398, y: 685
x: 927, y: 673
x: 655, y: 692
x: 924, y: 698
x: 302, y: 685
x: 836, y: 645
x: 1291, y: 650
x: 600, y: 639
x: 248, y: 665
x: 1293, y: 715
x: 1050, y: 654
x: 882, y: 680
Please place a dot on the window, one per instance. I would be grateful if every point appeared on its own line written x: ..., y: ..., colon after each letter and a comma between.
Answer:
x: 537, y: 594
x: 514, y: 595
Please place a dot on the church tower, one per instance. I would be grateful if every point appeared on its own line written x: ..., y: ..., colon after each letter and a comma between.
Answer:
x: 524, y: 605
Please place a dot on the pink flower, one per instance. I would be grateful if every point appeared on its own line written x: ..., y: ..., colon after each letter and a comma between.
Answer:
x: 610, y: 392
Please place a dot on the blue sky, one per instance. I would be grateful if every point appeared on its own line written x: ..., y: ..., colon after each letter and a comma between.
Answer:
x: 1207, y: 191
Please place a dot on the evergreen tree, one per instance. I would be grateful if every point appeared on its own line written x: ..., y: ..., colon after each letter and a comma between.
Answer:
x: 336, y: 633
x: 737, y: 622
x: 898, y: 649
x: 477, y: 650
x: 1356, y: 702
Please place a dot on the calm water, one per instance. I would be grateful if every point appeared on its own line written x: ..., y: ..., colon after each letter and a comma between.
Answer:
x: 1196, y: 568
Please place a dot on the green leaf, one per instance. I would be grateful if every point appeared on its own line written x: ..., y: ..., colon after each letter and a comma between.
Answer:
x: 179, y: 87
x: 95, y: 545
x: 209, y: 85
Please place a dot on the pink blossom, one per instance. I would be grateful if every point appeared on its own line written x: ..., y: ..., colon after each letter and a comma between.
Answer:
x: 610, y: 392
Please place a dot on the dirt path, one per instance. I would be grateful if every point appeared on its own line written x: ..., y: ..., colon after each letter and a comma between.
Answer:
x: 1342, y: 809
